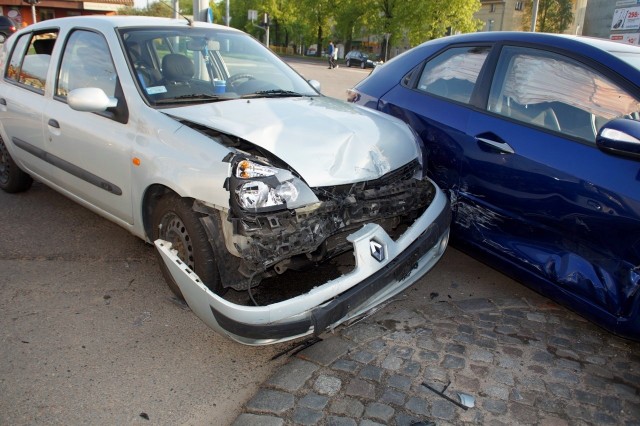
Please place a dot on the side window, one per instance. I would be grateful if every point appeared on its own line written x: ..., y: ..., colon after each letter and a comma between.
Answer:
x: 551, y: 91
x: 30, y: 60
x: 86, y: 62
x: 15, y: 61
x: 453, y: 73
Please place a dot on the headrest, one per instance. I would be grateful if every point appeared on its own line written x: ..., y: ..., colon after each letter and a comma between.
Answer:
x: 44, y: 46
x: 176, y: 67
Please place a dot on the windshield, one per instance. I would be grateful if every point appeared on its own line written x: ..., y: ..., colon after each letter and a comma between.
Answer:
x: 177, y: 65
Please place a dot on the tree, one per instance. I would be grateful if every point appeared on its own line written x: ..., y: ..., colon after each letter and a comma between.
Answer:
x: 554, y: 16
x: 317, y: 14
x: 161, y: 8
x: 416, y: 21
x: 351, y: 20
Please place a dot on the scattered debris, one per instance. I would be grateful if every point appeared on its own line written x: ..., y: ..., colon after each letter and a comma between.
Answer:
x: 466, y: 401
x: 144, y: 416
x: 298, y: 347
x: 141, y: 319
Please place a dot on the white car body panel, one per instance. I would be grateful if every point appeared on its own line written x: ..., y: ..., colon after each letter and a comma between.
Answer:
x: 296, y: 130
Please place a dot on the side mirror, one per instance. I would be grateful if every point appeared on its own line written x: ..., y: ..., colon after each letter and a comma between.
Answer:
x: 315, y: 84
x: 620, y: 136
x: 90, y: 99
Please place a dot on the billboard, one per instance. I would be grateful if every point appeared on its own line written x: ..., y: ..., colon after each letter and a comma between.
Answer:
x: 629, y: 38
x: 627, y: 18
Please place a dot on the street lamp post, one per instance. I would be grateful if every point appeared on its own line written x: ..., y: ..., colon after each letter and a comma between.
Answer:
x: 33, y: 8
x: 534, y: 15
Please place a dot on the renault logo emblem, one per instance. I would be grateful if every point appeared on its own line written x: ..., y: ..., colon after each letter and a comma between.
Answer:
x: 377, y: 250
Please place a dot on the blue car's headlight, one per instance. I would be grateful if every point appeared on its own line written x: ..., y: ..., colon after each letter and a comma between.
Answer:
x: 260, y: 187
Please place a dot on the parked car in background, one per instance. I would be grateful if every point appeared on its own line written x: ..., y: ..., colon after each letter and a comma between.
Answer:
x: 7, y: 27
x: 536, y: 139
x: 358, y: 59
x: 199, y: 139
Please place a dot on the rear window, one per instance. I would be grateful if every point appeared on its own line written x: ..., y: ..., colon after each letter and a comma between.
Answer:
x: 30, y: 60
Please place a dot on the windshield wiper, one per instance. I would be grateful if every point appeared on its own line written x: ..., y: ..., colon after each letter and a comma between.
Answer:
x: 195, y: 97
x: 276, y: 93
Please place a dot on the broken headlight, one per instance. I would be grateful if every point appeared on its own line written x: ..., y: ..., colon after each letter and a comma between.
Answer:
x: 261, y: 187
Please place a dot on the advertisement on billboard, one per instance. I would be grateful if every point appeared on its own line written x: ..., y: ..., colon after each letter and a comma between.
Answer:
x: 627, y: 18
x: 629, y: 38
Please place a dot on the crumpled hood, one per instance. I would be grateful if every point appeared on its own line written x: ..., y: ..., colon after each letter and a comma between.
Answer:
x: 328, y: 142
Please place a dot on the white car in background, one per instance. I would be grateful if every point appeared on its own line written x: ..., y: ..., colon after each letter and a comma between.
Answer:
x: 197, y: 138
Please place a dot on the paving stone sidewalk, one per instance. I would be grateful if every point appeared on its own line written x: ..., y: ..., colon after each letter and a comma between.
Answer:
x: 525, y: 362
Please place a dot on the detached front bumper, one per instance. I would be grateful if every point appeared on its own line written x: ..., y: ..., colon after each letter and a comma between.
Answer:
x: 383, y: 269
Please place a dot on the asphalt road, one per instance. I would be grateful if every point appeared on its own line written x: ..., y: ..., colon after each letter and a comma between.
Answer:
x: 90, y: 334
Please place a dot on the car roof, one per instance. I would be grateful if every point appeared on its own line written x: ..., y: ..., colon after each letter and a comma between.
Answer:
x: 104, y: 22
x: 602, y: 51
x: 565, y: 41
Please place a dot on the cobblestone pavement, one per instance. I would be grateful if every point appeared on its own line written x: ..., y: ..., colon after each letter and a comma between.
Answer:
x: 525, y: 361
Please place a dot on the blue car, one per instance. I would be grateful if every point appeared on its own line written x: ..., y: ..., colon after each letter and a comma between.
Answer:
x: 536, y: 140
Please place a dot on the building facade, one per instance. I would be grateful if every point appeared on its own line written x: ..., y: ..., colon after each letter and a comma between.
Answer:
x: 509, y: 15
x: 23, y: 13
x: 617, y: 20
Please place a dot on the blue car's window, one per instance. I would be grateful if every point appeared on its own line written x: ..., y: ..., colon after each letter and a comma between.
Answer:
x: 453, y: 73
x: 548, y: 90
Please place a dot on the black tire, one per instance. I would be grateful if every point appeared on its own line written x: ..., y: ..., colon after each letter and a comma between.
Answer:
x: 174, y: 221
x: 3, y: 38
x: 12, y: 179
x: 363, y: 65
x: 348, y: 63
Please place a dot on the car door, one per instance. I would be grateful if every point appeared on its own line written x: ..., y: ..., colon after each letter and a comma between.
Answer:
x: 92, y: 150
x: 436, y: 99
x: 23, y: 99
x: 535, y: 189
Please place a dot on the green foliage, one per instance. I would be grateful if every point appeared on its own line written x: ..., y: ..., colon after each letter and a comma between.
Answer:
x: 408, y: 22
x: 416, y: 21
x: 554, y: 16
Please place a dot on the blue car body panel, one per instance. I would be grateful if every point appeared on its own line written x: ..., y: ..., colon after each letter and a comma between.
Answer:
x: 555, y: 213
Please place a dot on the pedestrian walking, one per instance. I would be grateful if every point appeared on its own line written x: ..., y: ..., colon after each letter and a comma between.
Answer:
x: 331, y: 51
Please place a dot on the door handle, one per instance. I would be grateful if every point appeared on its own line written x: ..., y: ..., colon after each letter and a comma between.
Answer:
x: 500, y: 146
x: 53, y: 123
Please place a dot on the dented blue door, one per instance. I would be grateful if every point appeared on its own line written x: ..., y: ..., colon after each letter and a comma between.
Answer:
x: 527, y: 197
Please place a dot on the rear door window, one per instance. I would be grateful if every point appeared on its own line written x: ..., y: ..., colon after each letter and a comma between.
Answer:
x: 30, y: 60
x: 453, y: 73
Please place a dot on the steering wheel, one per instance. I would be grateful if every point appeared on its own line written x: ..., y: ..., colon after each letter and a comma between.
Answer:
x: 231, y: 81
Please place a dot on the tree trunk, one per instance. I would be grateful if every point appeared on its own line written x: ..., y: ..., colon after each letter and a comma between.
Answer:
x: 319, y: 42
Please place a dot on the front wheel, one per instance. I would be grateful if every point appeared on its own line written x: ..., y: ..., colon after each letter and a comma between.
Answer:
x: 363, y: 64
x: 12, y: 179
x: 174, y: 221
x: 348, y: 63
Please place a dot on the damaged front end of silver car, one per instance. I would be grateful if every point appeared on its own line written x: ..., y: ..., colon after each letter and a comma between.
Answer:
x: 396, y: 228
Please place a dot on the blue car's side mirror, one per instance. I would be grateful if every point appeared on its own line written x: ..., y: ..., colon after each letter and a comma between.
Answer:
x: 620, y: 136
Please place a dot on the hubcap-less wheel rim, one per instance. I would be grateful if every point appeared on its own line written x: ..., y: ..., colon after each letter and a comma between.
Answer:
x: 173, y: 230
x: 4, y: 164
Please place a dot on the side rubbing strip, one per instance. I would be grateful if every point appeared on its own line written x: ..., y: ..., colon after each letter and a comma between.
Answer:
x: 68, y: 167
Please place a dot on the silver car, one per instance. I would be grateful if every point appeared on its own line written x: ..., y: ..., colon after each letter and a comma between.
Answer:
x: 198, y: 139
